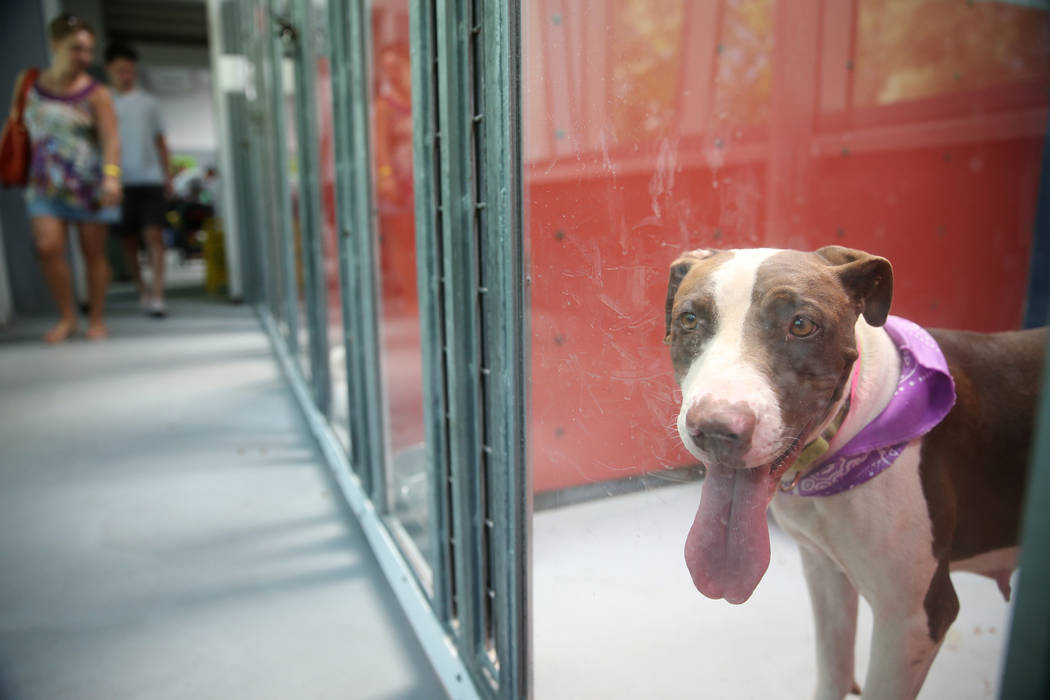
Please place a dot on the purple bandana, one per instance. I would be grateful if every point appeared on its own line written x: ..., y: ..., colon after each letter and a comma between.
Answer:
x: 925, y: 393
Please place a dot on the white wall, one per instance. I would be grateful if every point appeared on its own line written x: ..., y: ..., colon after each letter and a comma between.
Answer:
x: 185, y: 95
x: 180, y: 77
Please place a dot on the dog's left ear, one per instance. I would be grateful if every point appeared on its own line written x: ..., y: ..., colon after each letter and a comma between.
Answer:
x: 679, y: 269
x: 867, y: 278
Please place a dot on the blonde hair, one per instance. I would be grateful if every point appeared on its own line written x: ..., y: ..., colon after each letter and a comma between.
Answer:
x: 67, y: 23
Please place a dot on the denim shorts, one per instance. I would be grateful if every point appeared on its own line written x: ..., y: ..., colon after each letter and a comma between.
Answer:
x: 40, y: 206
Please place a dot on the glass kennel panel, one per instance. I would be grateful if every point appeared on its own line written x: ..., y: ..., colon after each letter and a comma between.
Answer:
x: 408, y: 481
x: 911, y: 130
x: 318, y: 62
x: 261, y: 93
x: 287, y: 48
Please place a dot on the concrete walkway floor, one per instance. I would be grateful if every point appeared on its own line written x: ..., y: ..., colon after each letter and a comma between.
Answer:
x: 168, y: 529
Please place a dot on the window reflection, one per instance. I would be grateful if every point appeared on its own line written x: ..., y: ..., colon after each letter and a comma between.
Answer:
x: 914, y: 49
x: 392, y: 127
x: 745, y: 62
x: 338, y: 408
x: 402, y: 363
x: 645, y: 66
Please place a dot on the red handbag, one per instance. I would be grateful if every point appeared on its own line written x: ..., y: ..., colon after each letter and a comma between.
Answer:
x: 14, y: 142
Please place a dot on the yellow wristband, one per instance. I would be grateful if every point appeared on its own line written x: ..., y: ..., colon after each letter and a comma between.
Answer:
x: 111, y: 169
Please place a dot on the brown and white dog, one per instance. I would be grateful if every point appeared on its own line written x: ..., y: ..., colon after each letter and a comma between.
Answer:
x: 765, y: 347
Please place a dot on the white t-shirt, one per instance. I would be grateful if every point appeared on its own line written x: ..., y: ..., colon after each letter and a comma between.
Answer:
x: 138, y: 115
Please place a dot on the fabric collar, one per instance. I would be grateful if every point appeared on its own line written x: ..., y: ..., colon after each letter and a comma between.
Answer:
x: 925, y: 393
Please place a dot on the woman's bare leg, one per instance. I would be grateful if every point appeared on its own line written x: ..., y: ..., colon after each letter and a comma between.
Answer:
x: 49, y: 234
x: 93, y: 244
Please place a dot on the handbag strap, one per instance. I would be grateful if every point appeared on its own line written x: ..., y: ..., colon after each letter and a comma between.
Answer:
x: 28, y: 78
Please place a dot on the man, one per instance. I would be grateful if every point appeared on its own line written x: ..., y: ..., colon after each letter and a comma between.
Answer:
x: 145, y: 174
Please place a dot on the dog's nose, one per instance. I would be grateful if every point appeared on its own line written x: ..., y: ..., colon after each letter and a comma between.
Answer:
x: 720, y: 428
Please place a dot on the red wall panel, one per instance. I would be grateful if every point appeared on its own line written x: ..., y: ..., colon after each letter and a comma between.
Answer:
x: 749, y: 123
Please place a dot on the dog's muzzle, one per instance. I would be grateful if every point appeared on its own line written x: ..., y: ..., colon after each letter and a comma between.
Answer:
x: 721, y: 430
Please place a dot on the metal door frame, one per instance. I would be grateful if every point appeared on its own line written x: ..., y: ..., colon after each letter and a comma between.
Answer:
x: 466, y: 67
x: 305, y: 62
x: 358, y: 255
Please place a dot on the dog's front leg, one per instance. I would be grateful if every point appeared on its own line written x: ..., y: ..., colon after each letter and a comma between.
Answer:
x: 906, y: 637
x: 901, y: 654
x: 835, y: 611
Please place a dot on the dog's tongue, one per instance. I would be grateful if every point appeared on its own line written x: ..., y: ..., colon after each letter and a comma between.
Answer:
x: 727, y: 549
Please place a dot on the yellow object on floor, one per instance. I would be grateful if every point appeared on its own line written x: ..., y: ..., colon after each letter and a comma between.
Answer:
x: 214, y: 256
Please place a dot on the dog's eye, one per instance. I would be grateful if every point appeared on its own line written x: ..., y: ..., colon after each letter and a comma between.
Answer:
x: 688, y: 321
x: 802, y: 327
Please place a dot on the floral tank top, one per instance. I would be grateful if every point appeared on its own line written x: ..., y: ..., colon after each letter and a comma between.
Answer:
x: 66, y: 161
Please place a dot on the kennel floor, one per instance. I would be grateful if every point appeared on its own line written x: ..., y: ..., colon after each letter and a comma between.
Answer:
x: 616, y: 615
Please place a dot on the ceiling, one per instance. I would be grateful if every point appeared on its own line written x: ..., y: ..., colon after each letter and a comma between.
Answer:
x: 158, y: 21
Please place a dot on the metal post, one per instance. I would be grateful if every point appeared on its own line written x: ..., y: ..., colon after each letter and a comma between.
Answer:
x: 510, y: 495
x: 353, y: 181
x: 310, y: 204
x: 1025, y: 673
x: 231, y: 224
x: 291, y: 292
x: 478, y: 218
x: 430, y: 272
x: 461, y: 316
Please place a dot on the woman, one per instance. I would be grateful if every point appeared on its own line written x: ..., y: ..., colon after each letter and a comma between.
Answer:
x: 74, y: 174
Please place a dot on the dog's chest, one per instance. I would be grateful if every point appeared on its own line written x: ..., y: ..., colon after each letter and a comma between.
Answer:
x: 872, y: 532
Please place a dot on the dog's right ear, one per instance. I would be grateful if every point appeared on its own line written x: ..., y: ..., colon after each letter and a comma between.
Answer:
x: 679, y: 269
